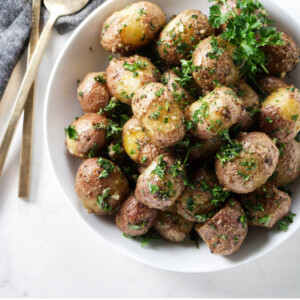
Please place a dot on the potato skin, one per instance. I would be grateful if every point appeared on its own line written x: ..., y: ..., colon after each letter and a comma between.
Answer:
x: 280, y: 114
x: 122, y: 83
x: 215, y: 112
x: 89, y: 186
x: 182, y: 34
x: 288, y: 167
x: 250, y: 104
x: 93, y: 92
x: 195, y: 204
x: 182, y: 97
x: 156, y: 191
x: 271, y: 84
x: 134, y: 213
x: 226, y: 231
x: 266, y: 202
x: 282, y: 58
x: 88, y: 138
x: 172, y: 226
x: 252, y: 167
x: 132, y: 27
x: 154, y: 106
x: 210, y: 69
x: 137, y: 144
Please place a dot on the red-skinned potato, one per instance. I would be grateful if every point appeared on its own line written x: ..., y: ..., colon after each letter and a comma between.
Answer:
x: 181, y: 35
x: 266, y: 206
x: 280, y: 114
x: 160, y: 116
x: 217, y: 111
x: 212, y: 69
x: 271, y: 84
x: 101, y: 186
x: 134, y: 218
x: 226, y: 231
x: 161, y: 183
x: 126, y: 75
x: 132, y: 27
x: 251, y: 166
x: 137, y: 144
x: 172, y: 226
x: 93, y: 93
x: 87, y: 135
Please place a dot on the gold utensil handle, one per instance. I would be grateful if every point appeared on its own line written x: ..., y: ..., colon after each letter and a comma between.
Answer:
x: 24, y: 89
x: 27, y: 137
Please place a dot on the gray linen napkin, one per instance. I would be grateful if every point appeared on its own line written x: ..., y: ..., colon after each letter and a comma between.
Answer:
x: 15, y: 25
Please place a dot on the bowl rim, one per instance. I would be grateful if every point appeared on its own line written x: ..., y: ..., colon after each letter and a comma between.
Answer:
x: 103, y: 6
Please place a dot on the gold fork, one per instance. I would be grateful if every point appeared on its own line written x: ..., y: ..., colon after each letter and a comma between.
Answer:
x: 27, y: 138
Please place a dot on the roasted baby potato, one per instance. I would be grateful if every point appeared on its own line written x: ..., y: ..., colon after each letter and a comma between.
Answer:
x: 248, y: 163
x: 182, y: 97
x: 271, y: 84
x: 182, y: 34
x: 225, y: 232
x: 156, y: 109
x: 288, y: 168
x: 250, y: 104
x: 132, y: 27
x: 172, y: 226
x: 87, y: 135
x: 134, y: 218
x: 137, y: 144
x: 161, y: 183
x: 126, y: 75
x: 93, y: 92
x: 282, y: 59
x: 214, y: 67
x: 101, y: 186
x: 217, y: 111
x: 266, y: 206
x: 280, y: 114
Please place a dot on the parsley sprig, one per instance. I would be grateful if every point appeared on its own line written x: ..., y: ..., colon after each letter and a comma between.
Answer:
x: 247, y: 27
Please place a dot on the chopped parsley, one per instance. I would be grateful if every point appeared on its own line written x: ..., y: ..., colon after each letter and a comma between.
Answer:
x: 72, y: 133
x: 264, y: 220
x: 159, y: 93
x: 135, y: 66
x: 284, y: 223
x: 100, y: 79
x: 153, y: 188
x: 160, y: 168
x: 107, y: 166
x: 102, y: 200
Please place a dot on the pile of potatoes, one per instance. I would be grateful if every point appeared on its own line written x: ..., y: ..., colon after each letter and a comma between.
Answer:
x: 218, y: 188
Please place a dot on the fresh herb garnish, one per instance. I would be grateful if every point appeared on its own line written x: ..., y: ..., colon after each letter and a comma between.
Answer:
x: 102, y: 200
x: 72, y: 133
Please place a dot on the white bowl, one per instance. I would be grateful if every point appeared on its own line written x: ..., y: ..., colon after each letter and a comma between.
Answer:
x: 74, y: 62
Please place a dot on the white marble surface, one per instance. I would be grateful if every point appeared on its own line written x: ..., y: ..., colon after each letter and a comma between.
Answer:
x: 46, y: 251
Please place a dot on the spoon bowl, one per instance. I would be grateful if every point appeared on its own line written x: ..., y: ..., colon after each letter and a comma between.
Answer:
x: 64, y: 7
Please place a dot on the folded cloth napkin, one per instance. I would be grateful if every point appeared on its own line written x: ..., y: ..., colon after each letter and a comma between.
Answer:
x: 15, y: 25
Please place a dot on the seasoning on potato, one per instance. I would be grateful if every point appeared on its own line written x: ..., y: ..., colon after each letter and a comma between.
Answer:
x: 213, y: 64
x: 101, y: 186
x: 137, y: 144
x: 160, y: 116
x: 132, y: 27
x: 172, y: 226
x: 93, y: 93
x: 246, y: 164
x: 87, y: 135
x: 134, y: 218
x: 161, y: 183
x: 182, y: 34
x: 266, y: 206
x: 280, y: 114
x: 126, y: 75
x: 226, y: 231
x: 211, y: 115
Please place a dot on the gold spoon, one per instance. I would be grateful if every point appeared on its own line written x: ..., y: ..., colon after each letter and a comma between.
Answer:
x: 57, y: 8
